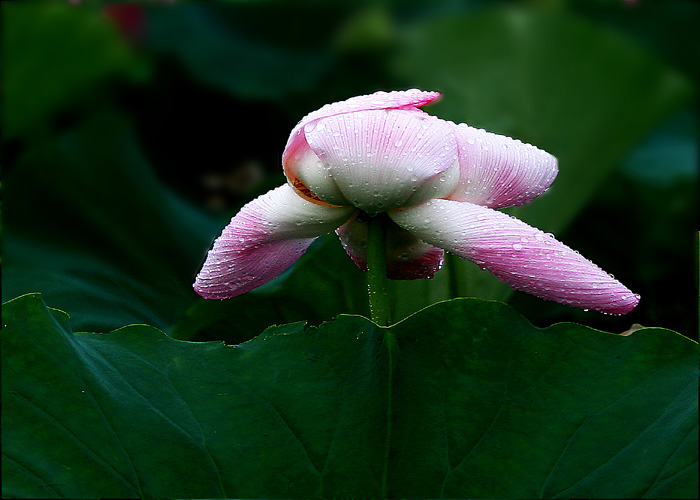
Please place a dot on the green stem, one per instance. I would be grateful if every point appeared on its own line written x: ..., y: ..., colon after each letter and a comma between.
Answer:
x: 453, y: 265
x: 378, y: 288
x: 377, y: 281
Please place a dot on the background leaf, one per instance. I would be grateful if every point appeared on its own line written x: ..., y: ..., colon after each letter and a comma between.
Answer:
x: 483, y: 404
x: 93, y: 228
x: 580, y: 91
x: 79, y: 48
x: 110, y: 213
x: 577, y: 90
x: 225, y: 48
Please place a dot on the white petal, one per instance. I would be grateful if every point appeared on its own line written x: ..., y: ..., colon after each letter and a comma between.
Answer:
x: 303, y: 170
x: 386, y: 159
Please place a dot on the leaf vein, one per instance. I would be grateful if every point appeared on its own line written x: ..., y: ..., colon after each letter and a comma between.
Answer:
x: 96, y: 458
x: 621, y: 450
x: 29, y: 472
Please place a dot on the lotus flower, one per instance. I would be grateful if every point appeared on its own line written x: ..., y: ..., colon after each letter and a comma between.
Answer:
x: 439, y: 183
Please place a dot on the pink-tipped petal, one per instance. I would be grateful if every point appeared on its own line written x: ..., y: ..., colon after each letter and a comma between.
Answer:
x: 386, y: 159
x: 523, y: 257
x: 497, y: 171
x: 267, y: 236
x: 296, y: 144
x: 398, y: 99
x: 408, y: 258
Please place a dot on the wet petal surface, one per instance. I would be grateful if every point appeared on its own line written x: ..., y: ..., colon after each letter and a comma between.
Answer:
x: 497, y: 171
x: 522, y: 256
x: 297, y: 146
x: 267, y: 236
x: 386, y: 159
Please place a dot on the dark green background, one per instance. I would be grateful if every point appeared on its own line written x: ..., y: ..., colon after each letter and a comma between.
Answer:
x: 131, y: 134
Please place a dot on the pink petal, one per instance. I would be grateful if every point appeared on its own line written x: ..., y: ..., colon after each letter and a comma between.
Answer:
x: 522, y: 256
x: 497, y: 171
x: 408, y: 258
x: 297, y: 145
x: 267, y: 236
x: 397, y: 99
x: 386, y: 159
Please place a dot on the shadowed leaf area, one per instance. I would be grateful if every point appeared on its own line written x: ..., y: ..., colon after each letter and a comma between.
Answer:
x: 472, y: 400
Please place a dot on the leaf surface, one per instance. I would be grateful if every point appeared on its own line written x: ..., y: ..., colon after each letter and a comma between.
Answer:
x: 474, y: 402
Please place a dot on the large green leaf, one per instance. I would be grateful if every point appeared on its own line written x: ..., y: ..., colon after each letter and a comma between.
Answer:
x: 225, y: 47
x: 581, y: 91
x: 92, y: 227
x: 465, y: 399
x: 55, y: 53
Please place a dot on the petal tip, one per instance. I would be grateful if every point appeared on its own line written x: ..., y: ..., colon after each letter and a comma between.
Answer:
x: 625, y: 305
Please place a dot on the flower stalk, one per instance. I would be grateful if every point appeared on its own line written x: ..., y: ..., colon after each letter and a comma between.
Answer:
x: 377, y: 281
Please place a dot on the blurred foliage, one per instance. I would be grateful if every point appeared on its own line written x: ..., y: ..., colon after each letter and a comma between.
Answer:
x: 53, y: 56
x: 132, y: 132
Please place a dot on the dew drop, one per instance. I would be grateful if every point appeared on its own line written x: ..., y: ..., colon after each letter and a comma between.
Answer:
x: 517, y: 246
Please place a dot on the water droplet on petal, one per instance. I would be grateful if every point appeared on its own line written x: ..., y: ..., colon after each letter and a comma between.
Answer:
x: 517, y: 246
